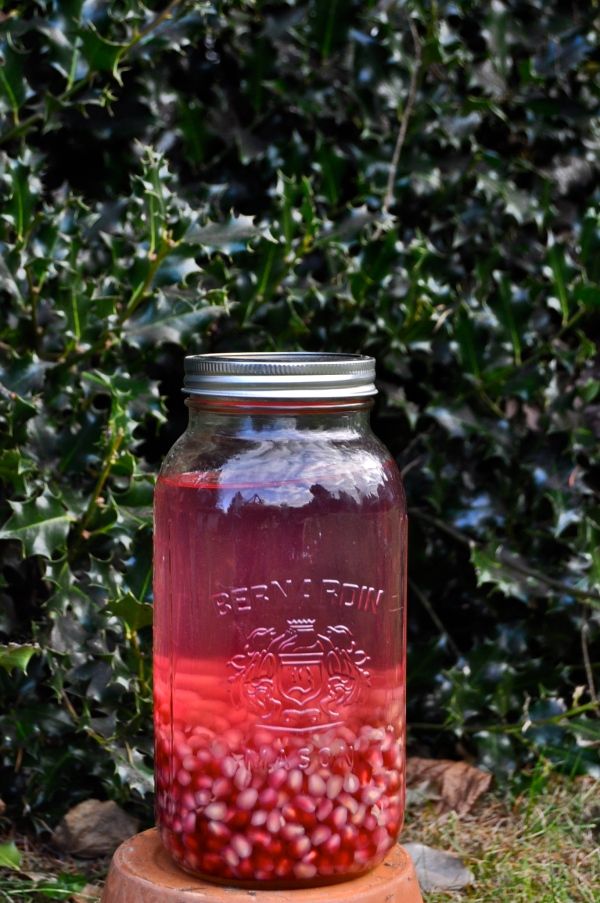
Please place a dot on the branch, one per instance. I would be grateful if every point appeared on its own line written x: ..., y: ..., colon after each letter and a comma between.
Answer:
x: 434, y: 617
x: 500, y: 728
x: 507, y: 559
x: 587, y: 662
x: 410, y: 102
x: 26, y: 125
x: 152, y: 26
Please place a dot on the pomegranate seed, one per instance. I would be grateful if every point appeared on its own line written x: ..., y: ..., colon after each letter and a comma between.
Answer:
x: 191, y: 763
x: 245, y: 869
x: 274, y: 814
x: 320, y: 835
x: 371, y: 795
x: 305, y: 803
x: 242, y: 778
x: 241, y: 846
x: 316, y: 785
x: 258, y: 837
x: 283, y: 868
x: 290, y: 832
x: 219, y: 830
x: 324, y: 810
x: 305, y: 870
x: 238, y: 819
x: 229, y: 766
x: 268, y: 797
x: 348, y: 834
x: 274, y: 822
x: 349, y: 802
x: 217, y: 811
x: 351, y: 783
x: 334, y: 786
x: 247, y: 798
x: 231, y: 858
x: 295, y: 780
x: 300, y: 846
x: 333, y: 844
x: 188, y: 800
x: 277, y: 778
x: 221, y: 788
x: 339, y: 816
x: 359, y: 815
x: 202, y: 797
x: 188, y: 823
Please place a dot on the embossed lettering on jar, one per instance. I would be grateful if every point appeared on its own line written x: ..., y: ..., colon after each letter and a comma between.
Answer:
x: 280, y: 549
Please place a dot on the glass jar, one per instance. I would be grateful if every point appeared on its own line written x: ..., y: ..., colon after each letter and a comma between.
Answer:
x: 279, y: 632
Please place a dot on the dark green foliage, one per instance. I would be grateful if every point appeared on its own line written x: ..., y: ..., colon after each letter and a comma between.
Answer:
x: 202, y: 176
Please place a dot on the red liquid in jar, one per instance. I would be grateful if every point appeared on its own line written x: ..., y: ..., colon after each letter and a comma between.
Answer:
x: 279, y: 678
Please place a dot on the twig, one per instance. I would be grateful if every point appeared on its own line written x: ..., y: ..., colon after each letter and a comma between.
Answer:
x: 507, y: 559
x: 501, y: 728
x: 24, y: 126
x: 140, y: 292
x: 404, y: 121
x: 152, y: 26
x: 443, y: 526
x: 434, y: 617
x: 587, y: 663
x: 416, y: 462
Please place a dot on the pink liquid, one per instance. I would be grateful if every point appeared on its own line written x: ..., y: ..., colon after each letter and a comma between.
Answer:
x: 279, y: 678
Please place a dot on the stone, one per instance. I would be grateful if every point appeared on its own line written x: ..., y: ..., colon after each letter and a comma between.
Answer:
x: 437, y: 870
x: 94, y: 828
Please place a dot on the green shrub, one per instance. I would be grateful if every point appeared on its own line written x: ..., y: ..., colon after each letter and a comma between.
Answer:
x: 417, y: 181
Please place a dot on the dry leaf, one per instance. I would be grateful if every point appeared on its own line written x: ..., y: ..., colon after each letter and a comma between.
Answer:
x: 459, y: 784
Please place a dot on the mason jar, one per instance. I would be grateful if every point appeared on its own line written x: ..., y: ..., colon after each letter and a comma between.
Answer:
x: 279, y: 628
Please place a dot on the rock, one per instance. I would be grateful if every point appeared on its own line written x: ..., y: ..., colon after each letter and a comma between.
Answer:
x: 437, y: 870
x: 94, y: 828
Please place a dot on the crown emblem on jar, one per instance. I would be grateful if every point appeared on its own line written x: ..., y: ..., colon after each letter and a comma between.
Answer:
x: 300, y: 677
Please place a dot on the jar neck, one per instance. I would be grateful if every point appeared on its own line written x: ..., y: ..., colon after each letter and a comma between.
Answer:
x: 236, y: 416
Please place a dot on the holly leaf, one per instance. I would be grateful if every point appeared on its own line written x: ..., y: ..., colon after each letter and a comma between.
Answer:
x: 134, y: 613
x: 15, y: 656
x: 132, y: 770
x: 231, y: 235
x: 490, y: 569
x: 100, y: 53
x: 10, y: 857
x: 41, y: 524
x: 169, y: 321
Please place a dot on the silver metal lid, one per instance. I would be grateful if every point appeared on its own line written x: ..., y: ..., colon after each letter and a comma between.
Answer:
x: 280, y: 375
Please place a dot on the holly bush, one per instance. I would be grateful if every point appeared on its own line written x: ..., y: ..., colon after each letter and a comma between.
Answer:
x: 413, y: 180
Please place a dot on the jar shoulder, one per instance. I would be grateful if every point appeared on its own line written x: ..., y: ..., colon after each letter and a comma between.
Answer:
x: 359, y: 464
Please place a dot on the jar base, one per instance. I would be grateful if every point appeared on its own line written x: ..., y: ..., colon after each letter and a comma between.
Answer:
x: 143, y: 872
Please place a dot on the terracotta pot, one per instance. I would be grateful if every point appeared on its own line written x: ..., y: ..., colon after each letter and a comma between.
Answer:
x: 142, y: 872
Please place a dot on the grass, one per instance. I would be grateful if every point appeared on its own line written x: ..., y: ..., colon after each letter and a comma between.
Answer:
x: 540, y: 847
x: 43, y: 875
